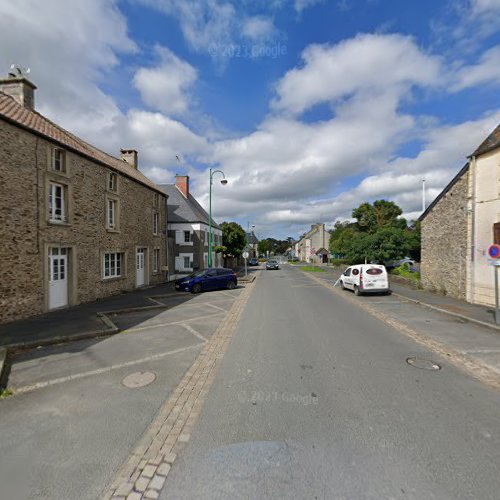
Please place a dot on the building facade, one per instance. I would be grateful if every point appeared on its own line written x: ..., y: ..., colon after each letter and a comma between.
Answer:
x: 313, y: 245
x: 460, y: 225
x: 76, y: 224
x: 188, y: 231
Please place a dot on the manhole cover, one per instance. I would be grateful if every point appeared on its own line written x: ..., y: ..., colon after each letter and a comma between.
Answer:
x: 423, y: 364
x: 138, y: 379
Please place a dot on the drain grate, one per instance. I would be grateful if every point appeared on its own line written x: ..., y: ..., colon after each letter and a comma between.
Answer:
x: 138, y: 379
x: 423, y: 364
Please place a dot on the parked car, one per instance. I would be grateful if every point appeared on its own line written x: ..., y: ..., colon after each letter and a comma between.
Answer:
x: 272, y: 264
x: 396, y: 263
x: 253, y: 262
x: 365, y: 278
x: 207, y: 279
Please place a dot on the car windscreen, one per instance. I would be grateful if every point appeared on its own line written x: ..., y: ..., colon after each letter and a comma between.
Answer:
x: 196, y: 274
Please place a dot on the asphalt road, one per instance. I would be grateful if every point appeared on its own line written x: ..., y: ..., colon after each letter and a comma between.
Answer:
x: 314, y: 399
x: 72, y: 421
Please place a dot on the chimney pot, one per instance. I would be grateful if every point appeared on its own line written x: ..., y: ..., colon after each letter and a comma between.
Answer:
x: 20, y: 89
x: 130, y: 156
x: 182, y: 183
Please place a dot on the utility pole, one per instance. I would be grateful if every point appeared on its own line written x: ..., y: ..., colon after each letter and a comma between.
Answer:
x: 423, y: 195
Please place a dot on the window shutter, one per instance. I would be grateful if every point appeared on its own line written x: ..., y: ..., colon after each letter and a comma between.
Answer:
x: 179, y: 237
x: 496, y: 233
x: 179, y: 264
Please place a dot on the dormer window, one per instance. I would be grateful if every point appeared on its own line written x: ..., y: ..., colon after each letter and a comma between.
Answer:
x: 58, y: 160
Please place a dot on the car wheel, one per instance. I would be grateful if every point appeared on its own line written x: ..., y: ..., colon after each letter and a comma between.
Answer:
x: 356, y: 291
x: 389, y: 292
x: 342, y: 287
x: 231, y: 285
x: 196, y: 288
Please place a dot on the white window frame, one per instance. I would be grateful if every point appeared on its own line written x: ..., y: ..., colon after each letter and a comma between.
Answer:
x: 156, y: 260
x: 58, y: 158
x: 188, y: 233
x: 112, y: 265
x: 54, y: 216
x: 113, y: 182
x: 156, y: 223
x: 111, y: 213
x: 188, y: 262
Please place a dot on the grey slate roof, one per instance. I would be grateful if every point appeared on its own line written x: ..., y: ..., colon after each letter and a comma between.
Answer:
x: 251, y: 238
x: 490, y: 143
x: 184, y: 210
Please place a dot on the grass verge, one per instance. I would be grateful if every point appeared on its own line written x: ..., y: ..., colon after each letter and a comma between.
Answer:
x: 313, y: 269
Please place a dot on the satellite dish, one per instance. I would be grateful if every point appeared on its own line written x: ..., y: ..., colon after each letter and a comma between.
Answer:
x: 20, y: 70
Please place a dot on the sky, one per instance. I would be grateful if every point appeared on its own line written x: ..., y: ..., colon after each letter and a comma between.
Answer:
x: 309, y: 107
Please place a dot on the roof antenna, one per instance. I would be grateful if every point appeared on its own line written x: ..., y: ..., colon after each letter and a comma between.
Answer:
x: 19, y: 71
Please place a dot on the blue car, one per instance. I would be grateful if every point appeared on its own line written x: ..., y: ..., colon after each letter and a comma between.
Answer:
x: 208, y: 279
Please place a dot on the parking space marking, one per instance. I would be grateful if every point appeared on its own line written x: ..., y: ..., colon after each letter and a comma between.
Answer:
x: 156, y: 301
x: 100, y: 371
x: 189, y: 328
x: 214, y: 306
x: 159, y: 325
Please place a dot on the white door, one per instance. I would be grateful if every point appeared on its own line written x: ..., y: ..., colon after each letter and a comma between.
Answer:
x: 139, y: 264
x: 58, y: 278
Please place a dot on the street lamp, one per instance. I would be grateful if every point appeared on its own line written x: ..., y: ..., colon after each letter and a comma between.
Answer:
x: 223, y: 182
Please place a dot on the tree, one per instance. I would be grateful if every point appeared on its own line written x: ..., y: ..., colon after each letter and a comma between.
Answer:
x: 233, y: 239
x: 379, y: 234
x: 382, y: 213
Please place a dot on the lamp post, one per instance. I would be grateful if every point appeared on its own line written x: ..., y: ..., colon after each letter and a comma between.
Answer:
x: 247, y: 249
x: 223, y: 182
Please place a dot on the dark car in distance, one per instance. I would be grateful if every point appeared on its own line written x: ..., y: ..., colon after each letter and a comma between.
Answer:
x: 207, y: 279
x: 253, y: 262
x: 272, y: 264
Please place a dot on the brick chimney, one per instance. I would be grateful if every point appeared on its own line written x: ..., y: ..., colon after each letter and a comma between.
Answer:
x: 20, y: 88
x: 130, y: 156
x: 182, y: 183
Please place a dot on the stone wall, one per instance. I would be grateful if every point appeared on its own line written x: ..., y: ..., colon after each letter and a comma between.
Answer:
x: 26, y: 233
x: 444, y: 242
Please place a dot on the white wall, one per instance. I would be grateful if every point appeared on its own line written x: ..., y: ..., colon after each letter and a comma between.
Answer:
x: 486, y: 206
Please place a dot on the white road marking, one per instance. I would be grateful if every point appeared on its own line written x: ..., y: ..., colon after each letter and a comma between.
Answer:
x: 140, y: 328
x: 156, y: 301
x: 194, y: 332
x: 99, y: 371
x: 214, y: 306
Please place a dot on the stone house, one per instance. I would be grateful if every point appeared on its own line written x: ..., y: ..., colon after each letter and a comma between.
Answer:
x: 188, y: 231
x: 252, y: 244
x: 76, y: 224
x: 313, y: 245
x: 460, y: 225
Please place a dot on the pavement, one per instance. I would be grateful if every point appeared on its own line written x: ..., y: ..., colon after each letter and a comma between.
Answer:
x: 315, y: 398
x: 79, y: 408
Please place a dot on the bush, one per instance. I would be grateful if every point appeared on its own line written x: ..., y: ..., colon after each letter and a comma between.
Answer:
x: 339, y: 262
x: 405, y: 272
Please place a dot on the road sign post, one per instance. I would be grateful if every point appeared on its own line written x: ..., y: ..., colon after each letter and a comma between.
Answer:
x: 245, y: 256
x: 494, y: 253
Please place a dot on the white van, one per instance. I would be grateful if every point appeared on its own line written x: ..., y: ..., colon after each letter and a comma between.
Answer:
x: 365, y: 278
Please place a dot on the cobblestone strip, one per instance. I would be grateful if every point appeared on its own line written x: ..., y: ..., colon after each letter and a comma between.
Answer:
x: 145, y: 472
x: 472, y: 366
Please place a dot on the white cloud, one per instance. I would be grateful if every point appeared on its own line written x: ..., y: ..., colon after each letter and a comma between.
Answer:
x: 367, y: 62
x: 485, y: 72
x: 258, y: 28
x: 301, y: 5
x: 166, y: 87
x: 480, y: 7
x: 205, y: 24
